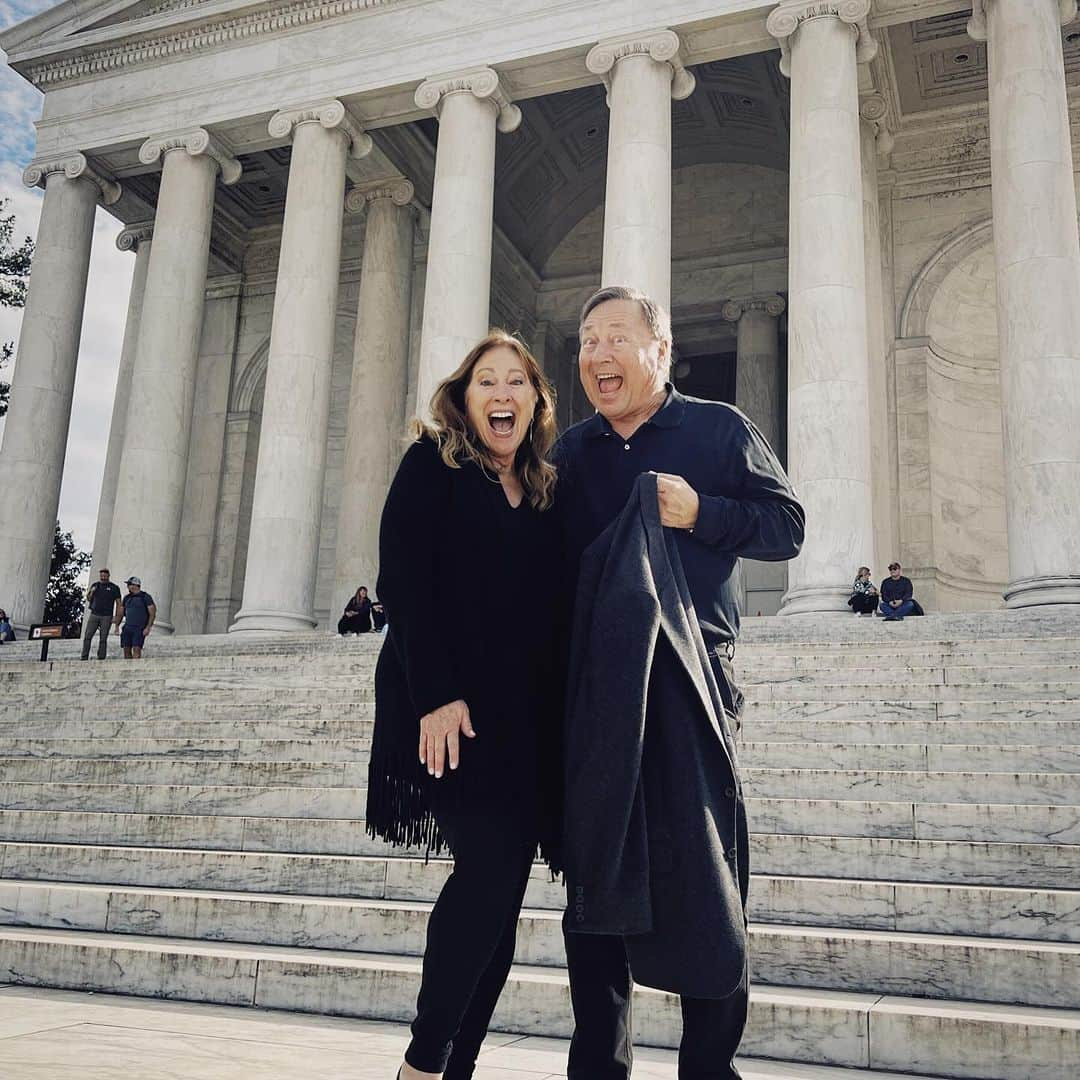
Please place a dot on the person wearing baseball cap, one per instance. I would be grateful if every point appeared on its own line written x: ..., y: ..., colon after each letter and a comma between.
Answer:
x: 139, y: 614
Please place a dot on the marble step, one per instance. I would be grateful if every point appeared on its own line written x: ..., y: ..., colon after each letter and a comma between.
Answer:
x: 901, y: 675
x: 178, y: 771
x: 258, y: 859
x: 985, y: 734
x: 1062, y: 789
x: 928, y: 712
x: 882, y: 858
x: 961, y: 1039
x: 762, y: 660
x: 1048, y: 915
x: 865, y: 961
x: 218, y: 819
x: 990, y: 822
x: 177, y: 697
x: 211, y: 719
x: 221, y: 749
x: 67, y: 673
x: 837, y: 691
x: 234, y: 800
x: 916, y: 757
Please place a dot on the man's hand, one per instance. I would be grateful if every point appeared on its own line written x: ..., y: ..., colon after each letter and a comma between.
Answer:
x: 678, y: 502
x: 439, y: 732
x: 146, y: 632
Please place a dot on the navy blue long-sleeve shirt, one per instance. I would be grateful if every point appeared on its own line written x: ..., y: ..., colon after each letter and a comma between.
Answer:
x: 747, y: 505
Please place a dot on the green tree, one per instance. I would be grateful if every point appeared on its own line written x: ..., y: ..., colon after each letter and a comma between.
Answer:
x: 14, y: 274
x: 64, y: 594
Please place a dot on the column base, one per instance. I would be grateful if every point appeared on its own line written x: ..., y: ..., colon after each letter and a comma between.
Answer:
x: 286, y: 622
x: 1039, y: 591
x: 816, y: 600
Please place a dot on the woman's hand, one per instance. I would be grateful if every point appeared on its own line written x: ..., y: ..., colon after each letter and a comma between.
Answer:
x: 439, y: 736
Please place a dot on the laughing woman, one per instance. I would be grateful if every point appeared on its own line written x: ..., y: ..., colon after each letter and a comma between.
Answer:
x: 466, y: 714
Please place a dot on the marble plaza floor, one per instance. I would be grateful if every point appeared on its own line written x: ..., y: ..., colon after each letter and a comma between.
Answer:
x: 57, y: 1035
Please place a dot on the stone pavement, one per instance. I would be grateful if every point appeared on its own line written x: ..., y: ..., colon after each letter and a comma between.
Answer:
x: 57, y: 1034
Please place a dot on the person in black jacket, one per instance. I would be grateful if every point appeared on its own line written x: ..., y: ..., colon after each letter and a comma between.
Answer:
x: 897, y: 596
x: 467, y: 696
x: 357, y: 617
x: 721, y: 495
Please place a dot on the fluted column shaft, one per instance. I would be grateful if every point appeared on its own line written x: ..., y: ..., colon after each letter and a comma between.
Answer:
x: 137, y: 240
x: 828, y: 400
x: 374, y: 438
x: 457, y: 292
x: 642, y: 75
x: 875, y: 137
x: 153, y: 466
x: 283, y: 548
x: 36, y: 428
x: 1037, y: 252
x: 758, y: 375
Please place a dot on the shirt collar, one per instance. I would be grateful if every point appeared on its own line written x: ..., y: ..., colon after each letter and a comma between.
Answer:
x: 669, y: 415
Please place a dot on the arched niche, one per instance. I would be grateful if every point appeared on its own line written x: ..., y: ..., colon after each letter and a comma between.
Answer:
x: 956, y: 312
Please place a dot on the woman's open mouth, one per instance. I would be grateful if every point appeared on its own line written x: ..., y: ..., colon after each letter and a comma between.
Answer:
x: 502, y: 423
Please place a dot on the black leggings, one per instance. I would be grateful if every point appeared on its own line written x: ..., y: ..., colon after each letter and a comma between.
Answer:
x: 470, y: 939
x: 602, y: 1049
x: 863, y: 603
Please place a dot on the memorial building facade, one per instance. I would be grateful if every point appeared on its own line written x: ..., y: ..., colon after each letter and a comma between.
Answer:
x: 862, y: 216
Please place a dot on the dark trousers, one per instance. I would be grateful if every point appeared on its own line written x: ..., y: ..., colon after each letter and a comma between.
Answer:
x: 96, y: 624
x: 602, y: 1047
x: 470, y: 939
x: 906, y: 608
x: 863, y: 603
x: 354, y: 624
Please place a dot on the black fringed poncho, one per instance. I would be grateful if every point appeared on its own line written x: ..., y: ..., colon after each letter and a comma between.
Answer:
x: 471, y: 591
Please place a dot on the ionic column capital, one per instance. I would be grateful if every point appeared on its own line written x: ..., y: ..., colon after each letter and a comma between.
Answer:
x: 74, y: 167
x: 873, y: 110
x: 483, y: 83
x: 398, y: 190
x: 663, y: 46
x: 771, y: 305
x: 784, y: 20
x: 976, y: 25
x: 196, y: 142
x: 332, y: 115
x: 135, y: 235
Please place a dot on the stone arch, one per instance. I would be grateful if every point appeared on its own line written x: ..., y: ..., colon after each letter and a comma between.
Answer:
x: 250, y: 376
x: 956, y: 248
x: 953, y: 306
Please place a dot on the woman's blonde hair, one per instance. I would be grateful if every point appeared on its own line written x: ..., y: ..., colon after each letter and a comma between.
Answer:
x: 450, y: 429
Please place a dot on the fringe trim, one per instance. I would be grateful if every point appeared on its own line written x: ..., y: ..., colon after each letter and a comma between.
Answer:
x: 398, y: 810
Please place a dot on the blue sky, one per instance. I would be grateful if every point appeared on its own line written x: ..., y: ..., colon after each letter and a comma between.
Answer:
x: 106, y: 299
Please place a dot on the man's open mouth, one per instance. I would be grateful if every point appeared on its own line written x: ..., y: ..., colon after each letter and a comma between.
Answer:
x: 609, y: 383
x: 502, y: 423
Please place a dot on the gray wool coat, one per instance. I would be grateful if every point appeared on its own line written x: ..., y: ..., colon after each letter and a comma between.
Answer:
x: 655, y: 830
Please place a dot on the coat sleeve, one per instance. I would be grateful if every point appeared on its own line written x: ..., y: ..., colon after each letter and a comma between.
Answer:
x: 763, y: 520
x: 412, y: 523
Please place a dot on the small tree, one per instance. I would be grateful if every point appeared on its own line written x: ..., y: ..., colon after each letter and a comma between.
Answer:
x: 64, y: 594
x: 14, y: 274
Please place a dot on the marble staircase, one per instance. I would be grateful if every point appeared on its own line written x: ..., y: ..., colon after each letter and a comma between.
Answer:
x: 191, y: 827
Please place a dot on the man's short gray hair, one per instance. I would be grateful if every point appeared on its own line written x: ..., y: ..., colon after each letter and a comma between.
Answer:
x: 656, y: 315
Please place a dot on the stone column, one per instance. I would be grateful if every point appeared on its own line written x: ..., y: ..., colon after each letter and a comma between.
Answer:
x: 758, y: 376
x: 36, y: 428
x: 153, y: 465
x: 135, y: 239
x: 642, y: 74
x: 374, y: 439
x: 828, y: 399
x: 1037, y: 251
x: 470, y: 106
x: 875, y: 139
x: 203, y: 485
x: 283, y: 548
x: 759, y: 387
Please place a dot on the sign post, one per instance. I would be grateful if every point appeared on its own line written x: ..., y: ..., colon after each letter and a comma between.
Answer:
x: 45, y: 632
